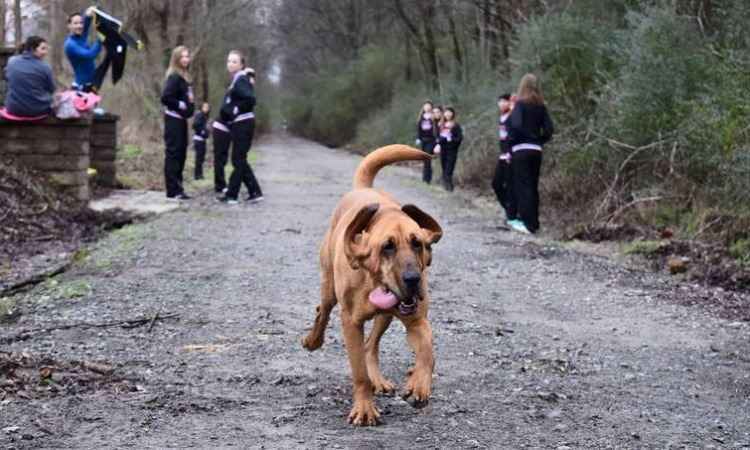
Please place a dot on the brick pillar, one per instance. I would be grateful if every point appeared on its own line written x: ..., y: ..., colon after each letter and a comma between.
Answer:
x: 104, y: 149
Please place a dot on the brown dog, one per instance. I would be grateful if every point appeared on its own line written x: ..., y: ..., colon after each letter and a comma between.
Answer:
x: 373, y: 263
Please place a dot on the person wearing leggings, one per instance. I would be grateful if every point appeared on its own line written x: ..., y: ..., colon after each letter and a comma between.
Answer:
x: 177, y: 99
x: 237, y: 111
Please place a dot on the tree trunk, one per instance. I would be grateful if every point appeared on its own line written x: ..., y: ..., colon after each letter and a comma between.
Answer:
x: 17, y: 23
x: 56, y: 35
x: 456, y: 47
x: 3, y: 15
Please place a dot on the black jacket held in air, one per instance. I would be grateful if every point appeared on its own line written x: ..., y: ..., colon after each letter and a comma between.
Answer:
x: 239, y: 100
x: 175, y: 97
x: 529, y: 124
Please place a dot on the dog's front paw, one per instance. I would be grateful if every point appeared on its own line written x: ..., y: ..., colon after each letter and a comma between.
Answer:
x: 364, y: 413
x: 312, y: 343
x: 381, y: 385
x: 418, y: 389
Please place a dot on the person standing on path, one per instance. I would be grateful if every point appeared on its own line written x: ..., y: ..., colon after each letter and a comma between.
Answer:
x: 502, y: 182
x: 200, y: 135
x: 530, y: 128
x: 81, y: 55
x: 177, y: 98
x: 426, y: 136
x: 449, y: 140
x: 237, y: 111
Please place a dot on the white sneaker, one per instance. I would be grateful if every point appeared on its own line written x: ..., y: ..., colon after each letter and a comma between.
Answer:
x: 519, y: 226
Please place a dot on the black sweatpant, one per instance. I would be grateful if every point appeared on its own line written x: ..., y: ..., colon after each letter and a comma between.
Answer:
x: 200, y: 157
x: 448, y: 157
x: 502, y: 184
x: 526, y: 166
x: 242, y: 138
x: 222, y: 141
x: 427, y: 147
x: 175, y: 141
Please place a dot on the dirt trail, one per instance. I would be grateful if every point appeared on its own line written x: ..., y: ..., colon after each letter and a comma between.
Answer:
x: 536, y: 346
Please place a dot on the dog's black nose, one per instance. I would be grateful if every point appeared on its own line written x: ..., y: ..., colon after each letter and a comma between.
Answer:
x: 411, y: 279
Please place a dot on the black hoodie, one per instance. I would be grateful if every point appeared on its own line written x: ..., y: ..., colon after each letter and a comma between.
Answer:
x: 176, y: 98
x: 530, y: 126
x: 239, y: 101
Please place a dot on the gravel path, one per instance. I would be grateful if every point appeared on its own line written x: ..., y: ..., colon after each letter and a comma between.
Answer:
x: 537, y: 346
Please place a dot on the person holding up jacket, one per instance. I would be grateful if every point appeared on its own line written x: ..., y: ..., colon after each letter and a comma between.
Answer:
x: 237, y: 112
x: 177, y: 98
x: 81, y: 55
x: 530, y: 128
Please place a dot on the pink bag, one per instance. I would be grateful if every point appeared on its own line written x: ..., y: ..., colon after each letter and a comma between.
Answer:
x: 86, y: 101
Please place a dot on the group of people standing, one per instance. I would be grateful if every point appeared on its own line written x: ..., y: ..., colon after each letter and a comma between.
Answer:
x: 524, y: 126
x: 439, y: 133
x: 234, y: 128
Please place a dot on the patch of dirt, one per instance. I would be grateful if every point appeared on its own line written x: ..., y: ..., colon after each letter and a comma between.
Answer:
x: 40, y: 229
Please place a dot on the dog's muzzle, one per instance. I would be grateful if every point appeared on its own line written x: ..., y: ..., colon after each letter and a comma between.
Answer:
x: 412, y: 284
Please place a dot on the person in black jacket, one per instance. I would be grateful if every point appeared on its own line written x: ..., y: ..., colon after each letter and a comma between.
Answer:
x: 530, y: 128
x: 503, y: 179
x: 449, y: 140
x: 200, y: 135
x: 237, y: 111
x: 177, y: 98
x: 426, y: 137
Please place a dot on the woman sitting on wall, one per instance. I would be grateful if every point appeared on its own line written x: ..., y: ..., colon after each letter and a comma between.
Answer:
x: 31, y: 85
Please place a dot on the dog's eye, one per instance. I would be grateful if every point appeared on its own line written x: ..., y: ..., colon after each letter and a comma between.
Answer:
x: 389, y: 247
x: 416, y: 245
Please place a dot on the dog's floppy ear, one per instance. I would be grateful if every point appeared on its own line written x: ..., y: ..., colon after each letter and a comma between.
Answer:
x: 425, y: 221
x: 356, y: 247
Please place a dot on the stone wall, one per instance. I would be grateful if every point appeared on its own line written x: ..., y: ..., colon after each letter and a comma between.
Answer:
x: 62, y: 150
x: 55, y: 148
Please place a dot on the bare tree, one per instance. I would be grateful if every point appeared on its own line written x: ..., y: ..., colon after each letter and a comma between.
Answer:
x: 17, y: 23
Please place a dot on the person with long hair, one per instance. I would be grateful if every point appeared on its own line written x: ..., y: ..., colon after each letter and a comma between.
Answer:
x: 530, y: 128
x: 31, y: 85
x: 237, y: 111
x: 177, y: 98
x: 502, y: 182
x: 449, y: 140
x: 426, y: 136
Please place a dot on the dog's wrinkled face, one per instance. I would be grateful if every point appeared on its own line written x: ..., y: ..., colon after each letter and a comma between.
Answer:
x: 395, y: 250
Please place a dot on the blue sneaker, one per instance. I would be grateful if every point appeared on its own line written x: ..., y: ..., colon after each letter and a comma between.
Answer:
x: 519, y: 226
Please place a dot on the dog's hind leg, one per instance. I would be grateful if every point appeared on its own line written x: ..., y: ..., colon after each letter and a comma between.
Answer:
x: 314, y: 339
x: 380, y: 384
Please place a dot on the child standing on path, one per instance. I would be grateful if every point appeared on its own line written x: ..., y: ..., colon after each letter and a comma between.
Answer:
x: 237, y: 111
x: 177, y: 98
x: 426, y: 133
x: 449, y: 140
x: 502, y: 182
x: 200, y: 135
x: 530, y: 128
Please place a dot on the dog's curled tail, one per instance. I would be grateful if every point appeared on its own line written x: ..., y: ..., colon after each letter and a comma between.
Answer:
x: 382, y: 157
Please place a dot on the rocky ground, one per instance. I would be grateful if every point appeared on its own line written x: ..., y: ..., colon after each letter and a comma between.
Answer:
x: 183, y: 332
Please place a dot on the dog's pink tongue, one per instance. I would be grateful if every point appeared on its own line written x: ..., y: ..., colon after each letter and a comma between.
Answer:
x: 383, y: 299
